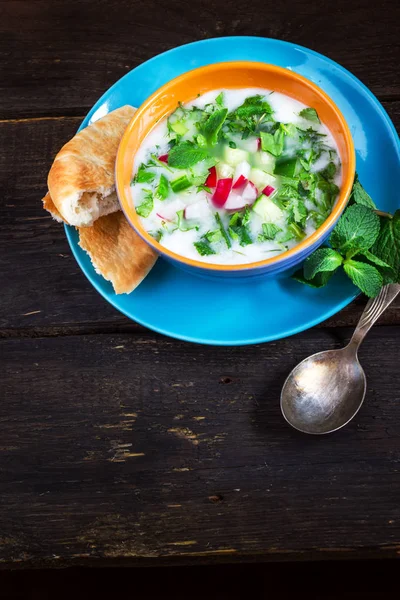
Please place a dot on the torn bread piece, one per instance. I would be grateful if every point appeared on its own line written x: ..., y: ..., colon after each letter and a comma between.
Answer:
x: 81, y: 180
x: 117, y: 252
x: 49, y: 205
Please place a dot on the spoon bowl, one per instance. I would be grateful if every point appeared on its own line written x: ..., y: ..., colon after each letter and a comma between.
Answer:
x: 324, y: 391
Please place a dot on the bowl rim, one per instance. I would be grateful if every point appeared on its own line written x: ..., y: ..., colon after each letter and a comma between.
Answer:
x: 320, y: 233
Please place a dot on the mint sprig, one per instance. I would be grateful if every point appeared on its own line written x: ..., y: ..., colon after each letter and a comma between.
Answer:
x: 366, y: 245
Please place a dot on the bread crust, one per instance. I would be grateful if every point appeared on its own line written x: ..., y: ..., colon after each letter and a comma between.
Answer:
x: 81, y: 180
x: 117, y: 252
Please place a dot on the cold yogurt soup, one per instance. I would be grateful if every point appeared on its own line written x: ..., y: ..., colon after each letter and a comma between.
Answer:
x: 236, y: 176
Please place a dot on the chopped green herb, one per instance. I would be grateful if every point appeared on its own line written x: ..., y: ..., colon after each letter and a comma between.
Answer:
x: 310, y: 114
x: 186, y: 154
x: 220, y: 99
x: 287, y: 167
x: 297, y: 231
x: 232, y: 145
x: 273, y: 143
x: 145, y: 208
x: 182, y: 223
x: 269, y: 232
x: 213, y: 236
x: 162, y: 188
x: 203, y: 248
x: 223, y: 230
x: 211, y: 128
x: 143, y: 175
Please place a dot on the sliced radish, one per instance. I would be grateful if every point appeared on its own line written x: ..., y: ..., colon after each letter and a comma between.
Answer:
x: 168, y: 213
x: 163, y: 158
x: 211, y: 180
x: 241, y: 174
x: 222, y: 191
x: 268, y: 190
x: 251, y: 145
x: 163, y: 218
x: 258, y: 143
x: 197, y: 210
x: 235, y: 201
x: 250, y: 193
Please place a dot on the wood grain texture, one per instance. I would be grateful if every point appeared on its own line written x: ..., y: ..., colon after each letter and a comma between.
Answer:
x: 46, y: 292
x: 119, y: 447
x: 57, y: 58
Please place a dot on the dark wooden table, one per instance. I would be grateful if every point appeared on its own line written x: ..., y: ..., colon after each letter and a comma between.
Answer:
x: 120, y: 446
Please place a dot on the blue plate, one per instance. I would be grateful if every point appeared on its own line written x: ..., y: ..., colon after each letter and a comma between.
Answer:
x: 196, y: 309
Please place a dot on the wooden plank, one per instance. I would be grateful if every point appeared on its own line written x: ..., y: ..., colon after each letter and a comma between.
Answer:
x: 46, y: 293
x: 57, y: 58
x: 118, y: 447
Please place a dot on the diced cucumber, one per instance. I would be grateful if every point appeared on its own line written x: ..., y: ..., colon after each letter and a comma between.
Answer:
x: 288, y: 167
x: 264, y: 161
x: 179, y: 128
x: 267, y: 210
x: 261, y: 179
x: 234, y: 156
x: 224, y: 171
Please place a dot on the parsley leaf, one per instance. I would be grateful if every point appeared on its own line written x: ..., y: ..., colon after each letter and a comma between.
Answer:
x: 145, y: 208
x: 364, y: 276
x: 211, y: 128
x: 269, y: 232
x: 143, y: 176
x: 310, y: 114
x: 273, y: 143
x: 358, y: 228
x: 323, y: 259
x: 182, y: 225
x: 186, y: 154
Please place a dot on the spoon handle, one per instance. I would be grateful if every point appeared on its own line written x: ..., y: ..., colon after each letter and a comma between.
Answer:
x: 373, y: 310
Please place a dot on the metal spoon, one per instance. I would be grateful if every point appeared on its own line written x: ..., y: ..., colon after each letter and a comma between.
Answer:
x: 325, y: 391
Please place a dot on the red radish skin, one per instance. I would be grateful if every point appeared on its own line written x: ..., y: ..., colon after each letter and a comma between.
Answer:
x: 163, y: 158
x: 211, y: 180
x: 268, y: 190
x: 240, y: 182
x: 163, y: 218
x: 258, y: 143
x: 241, y: 175
x: 222, y: 191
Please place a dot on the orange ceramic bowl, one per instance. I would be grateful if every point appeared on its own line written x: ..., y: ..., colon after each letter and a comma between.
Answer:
x: 231, y: 75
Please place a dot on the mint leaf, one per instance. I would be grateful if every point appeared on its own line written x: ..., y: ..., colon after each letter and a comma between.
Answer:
x: 375, y: 259
x: 364, y: 276
x: 310, y: 114
x: 211, y: 128
x: 323, y: 259
x: 203, y: 248
x: 318, y: 281
x: 145, y: 208
x: 384, y: 269
x: 269, y: 231
x: 360, y: 196
x: 358, y: 228
x: 143, y: 176
x: 223, y: 230
x: 162, y: 188
x: 186, y: 154
x: 387, y: 246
